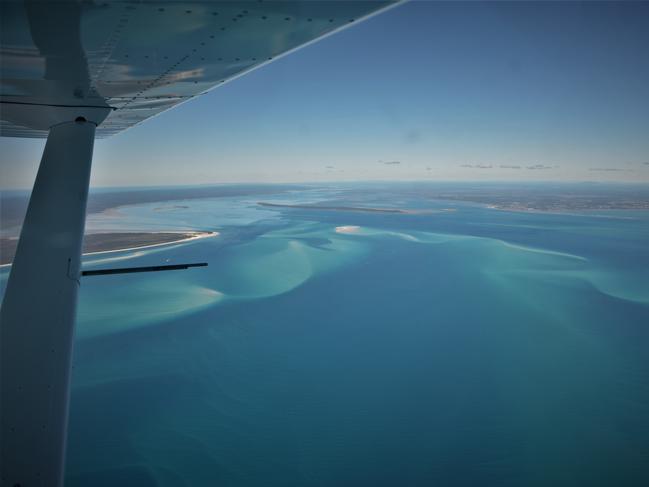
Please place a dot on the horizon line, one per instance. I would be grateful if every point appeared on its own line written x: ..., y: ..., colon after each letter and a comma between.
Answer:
x: 352, y: 181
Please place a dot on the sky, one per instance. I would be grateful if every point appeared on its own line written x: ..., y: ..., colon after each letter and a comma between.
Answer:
x: 426, y: 91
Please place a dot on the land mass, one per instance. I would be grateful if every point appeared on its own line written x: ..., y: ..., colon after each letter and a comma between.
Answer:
x: 13, y: 205
x: 551, y: 202
x: 519, y: 196
x: 106, y: 242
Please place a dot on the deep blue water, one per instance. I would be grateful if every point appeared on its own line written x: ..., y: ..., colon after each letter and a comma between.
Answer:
x: 455, y: 348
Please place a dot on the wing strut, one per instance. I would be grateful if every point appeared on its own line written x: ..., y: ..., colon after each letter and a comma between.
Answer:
x: 38, y: 312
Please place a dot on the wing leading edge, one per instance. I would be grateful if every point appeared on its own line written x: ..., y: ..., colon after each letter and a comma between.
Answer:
x: 141, y: 58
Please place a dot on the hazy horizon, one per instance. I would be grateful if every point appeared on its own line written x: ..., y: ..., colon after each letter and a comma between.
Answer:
x: 601, y: 183
x: 426, y: 91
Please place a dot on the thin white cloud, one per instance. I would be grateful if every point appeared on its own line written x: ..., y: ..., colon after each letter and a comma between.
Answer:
x: 477, y: 166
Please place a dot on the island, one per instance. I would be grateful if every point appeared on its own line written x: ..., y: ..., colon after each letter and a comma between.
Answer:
x: 334, y: 208
x: 366, y: 209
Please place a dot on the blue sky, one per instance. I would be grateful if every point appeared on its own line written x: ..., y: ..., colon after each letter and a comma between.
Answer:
x: 442, y: 91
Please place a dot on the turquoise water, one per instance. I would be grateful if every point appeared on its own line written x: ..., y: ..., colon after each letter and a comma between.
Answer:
x: 462, y: 348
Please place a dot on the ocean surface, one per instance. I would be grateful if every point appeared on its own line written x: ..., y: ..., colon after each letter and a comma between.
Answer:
x: 456, y: 345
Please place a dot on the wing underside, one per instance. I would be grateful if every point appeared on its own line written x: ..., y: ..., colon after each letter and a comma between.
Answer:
x: 140, y: 58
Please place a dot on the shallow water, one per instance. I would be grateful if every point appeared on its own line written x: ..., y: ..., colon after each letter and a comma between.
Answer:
x: 473, y: 347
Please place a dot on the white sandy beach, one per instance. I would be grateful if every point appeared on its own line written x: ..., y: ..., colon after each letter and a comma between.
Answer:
x: 193, y: 236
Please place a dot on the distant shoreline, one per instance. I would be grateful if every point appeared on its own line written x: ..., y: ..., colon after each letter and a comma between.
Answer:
x: 102, y: 243
x: 578, y: 211
x: 334, y: 208
x: 365, y: 209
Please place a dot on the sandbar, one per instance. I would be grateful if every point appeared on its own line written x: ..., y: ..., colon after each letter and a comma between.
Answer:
x: 96, y: 243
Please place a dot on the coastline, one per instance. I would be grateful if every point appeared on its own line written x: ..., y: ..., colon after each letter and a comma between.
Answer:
x: 587, y: 212
x: 366, y: 209
x: 150, y: 236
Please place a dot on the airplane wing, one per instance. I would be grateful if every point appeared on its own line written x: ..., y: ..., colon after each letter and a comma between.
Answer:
x: 73, y: 70
x: 140, y: 58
